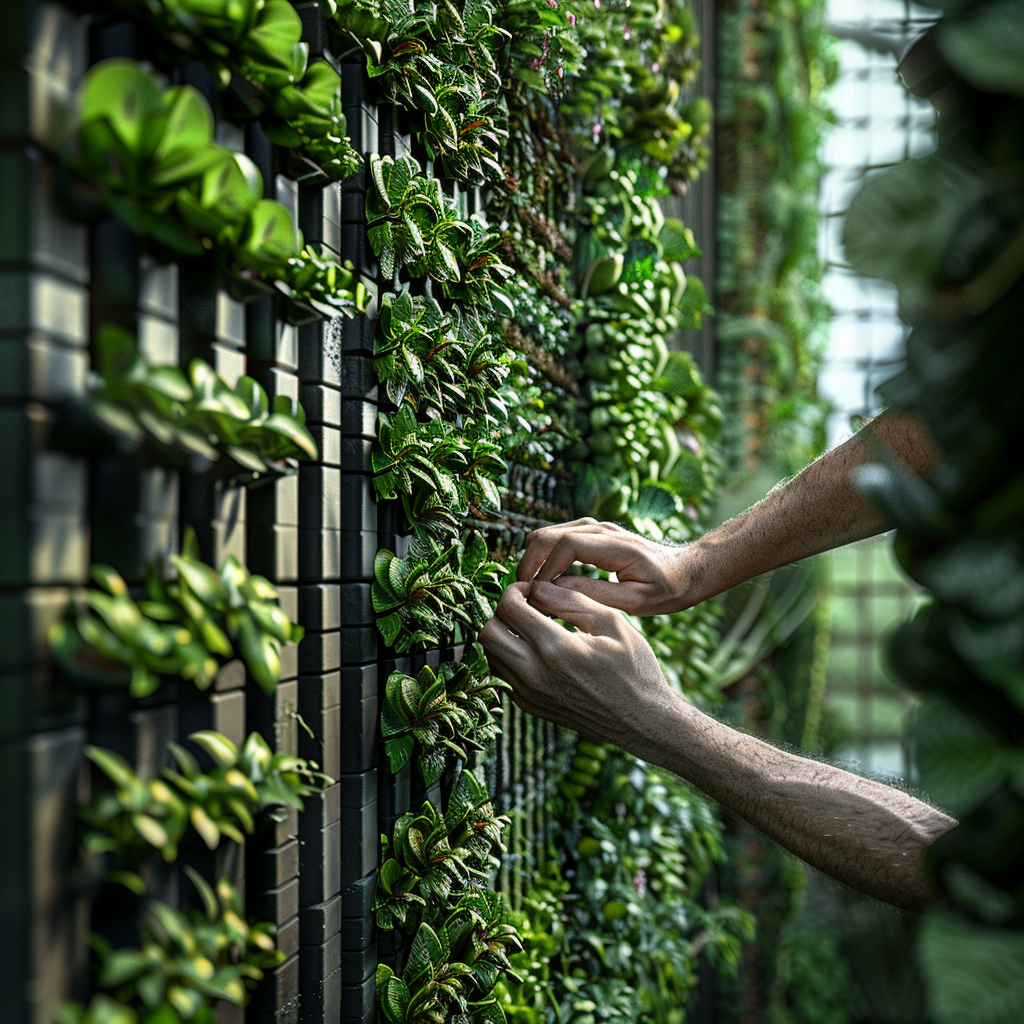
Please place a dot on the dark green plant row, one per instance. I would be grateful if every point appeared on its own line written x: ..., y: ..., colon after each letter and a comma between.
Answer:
x: 611, y: 926
x: 187, y: 959
x: 947, y: 230
x: 582, y: 229
x: 776, y: 65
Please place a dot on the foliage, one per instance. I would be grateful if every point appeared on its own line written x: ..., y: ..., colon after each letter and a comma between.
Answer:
x: 254, y: 49
x: 451, y: 712
x: 422, y: 597
x: 187, y: 627
x: 187, y: 959
x: 777, y: 63
x: 195, y: 415
x: 639, y: 844
x: 137, y: 817
x: 147, y: 155
x: 946, y: 230
x: 449, y: 362
x: 412, y: 224
x: 430, y: 887
x: 439, y: 60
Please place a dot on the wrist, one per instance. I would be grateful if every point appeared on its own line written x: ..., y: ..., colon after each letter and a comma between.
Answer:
x: 693, y: 575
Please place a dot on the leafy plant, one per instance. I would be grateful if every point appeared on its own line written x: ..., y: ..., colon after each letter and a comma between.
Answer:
x: 457, y: 469
x: 448, y: 361
x: 425, y: 595
x: 137, y: 818
x: 186, y: 960
x: 438, y: 60
x: 449, y: 713
x: 187, y: 627
x: 255, y: 51
x: 413, y: 224
x: 147, y: 155
x: 947, y: 236
x: 439, y: 854
x: 197, y: 415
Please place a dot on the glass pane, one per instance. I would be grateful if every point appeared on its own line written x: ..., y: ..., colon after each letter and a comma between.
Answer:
x: 843, y: 661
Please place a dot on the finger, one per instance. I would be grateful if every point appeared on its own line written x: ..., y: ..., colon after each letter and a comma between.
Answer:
x: 606, y: 550
x: 498, y: 642
x: 548, y: 639
x: 572, y: 606
x: 626, y: 596
x: 541, y: 541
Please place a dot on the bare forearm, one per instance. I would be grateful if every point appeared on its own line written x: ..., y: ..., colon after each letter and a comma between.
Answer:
x: 815, y: 511
x: 867, y: 835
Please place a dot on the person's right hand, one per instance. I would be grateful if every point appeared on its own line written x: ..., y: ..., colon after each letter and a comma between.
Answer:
x: 652, y: 577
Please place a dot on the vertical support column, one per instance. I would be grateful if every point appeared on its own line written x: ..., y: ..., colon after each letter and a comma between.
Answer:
x: 272, y: 550
x: 43, y: 514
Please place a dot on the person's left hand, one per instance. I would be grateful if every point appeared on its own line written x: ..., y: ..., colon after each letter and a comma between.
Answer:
x: 603, y: 681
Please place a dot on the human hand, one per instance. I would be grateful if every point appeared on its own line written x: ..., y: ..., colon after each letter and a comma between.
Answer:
x: 652, y: 578
x: 603, y: 681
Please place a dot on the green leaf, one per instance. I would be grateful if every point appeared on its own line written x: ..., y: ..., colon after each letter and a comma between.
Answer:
x: 128, y: 100
x: 960, y: 758
x: 186, y: 147
x: 974, y: 975
x: 113, y: 765
x: 202, y: 581
x: 260, y: 653
x: 293, y: 431
x: 206, y: 893
x: 399, y: 751
x: 676, y: 240
x: 984, y: 46
x: 219, y: 747
x: 654, y: 502
x: 270, y: 237
x: 151, y: 830
x: 205, y: 826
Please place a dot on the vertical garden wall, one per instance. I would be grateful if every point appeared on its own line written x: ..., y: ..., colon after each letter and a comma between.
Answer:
x: 310, y: 313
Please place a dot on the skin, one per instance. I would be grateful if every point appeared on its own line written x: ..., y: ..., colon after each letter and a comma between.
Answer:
x: 604, y: 681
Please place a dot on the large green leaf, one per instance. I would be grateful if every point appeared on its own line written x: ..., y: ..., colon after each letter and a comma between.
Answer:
x: 984, y: 46
x: 270, y: 237
x: 185, y: 148
x: 974, y: 975
x: 904, y: 221
x: 129, y: 101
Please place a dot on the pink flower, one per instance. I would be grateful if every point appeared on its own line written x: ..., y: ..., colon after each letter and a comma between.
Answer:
x: 572, y: 19
x: 640, y: 881
x: 626, y: 33
x: 552, y: 3
x: 597, y: 4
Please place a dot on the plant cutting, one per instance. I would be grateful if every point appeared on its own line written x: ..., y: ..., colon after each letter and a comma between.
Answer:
x: 136, y: 819
x: 187, y: 627
x: 182, y: 417
x: 187, y: 959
